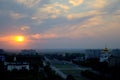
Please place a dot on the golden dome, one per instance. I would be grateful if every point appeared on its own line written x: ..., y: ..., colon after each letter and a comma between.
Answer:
x: 106, y: 50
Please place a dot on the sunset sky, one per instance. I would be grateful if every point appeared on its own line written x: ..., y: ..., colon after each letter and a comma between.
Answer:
x: 59, y: 24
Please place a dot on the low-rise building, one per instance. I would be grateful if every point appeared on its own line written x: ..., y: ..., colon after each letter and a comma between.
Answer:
x: 28, y: 52
x: 92, y: 53
x: 2, y: 58
x: 2, y: 55
x: 114, y: 59
x: 16, y: 65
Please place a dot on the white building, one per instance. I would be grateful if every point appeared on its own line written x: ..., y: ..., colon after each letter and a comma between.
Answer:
x: 16, y: 65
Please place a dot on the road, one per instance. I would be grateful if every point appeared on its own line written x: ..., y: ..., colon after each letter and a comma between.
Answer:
x: 60, y: 73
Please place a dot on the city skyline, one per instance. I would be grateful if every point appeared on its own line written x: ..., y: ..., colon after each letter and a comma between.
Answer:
x: 59, y: 24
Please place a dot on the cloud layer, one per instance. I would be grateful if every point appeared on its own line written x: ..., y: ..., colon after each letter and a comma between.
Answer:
x: 60, y: 21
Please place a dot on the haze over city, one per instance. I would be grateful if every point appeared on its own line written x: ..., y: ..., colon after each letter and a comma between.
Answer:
x: 51, y: 24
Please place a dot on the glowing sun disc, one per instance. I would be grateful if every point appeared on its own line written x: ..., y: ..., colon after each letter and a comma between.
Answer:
x: 19, y: 38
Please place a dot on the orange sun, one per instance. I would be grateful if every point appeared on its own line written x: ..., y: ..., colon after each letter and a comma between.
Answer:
x: 19, y: 38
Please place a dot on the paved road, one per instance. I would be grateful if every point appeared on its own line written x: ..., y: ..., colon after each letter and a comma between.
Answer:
x: 60, y: 73
x: 76, y: 67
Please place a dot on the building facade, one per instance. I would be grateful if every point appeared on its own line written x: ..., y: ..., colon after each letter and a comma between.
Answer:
x: 92, y: 53
x: 16, y: 65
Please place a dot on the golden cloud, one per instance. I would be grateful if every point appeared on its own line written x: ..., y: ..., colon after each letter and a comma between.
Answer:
x: 80, y: 30
x: 83, y: 14
x: 29, y: 3
x: 52, y: 11
x: 75, y: 2
x: 24, y: 28
x: 55, y: 8
x: 36, y: 36
x: 43, y: 36
x: 97, y: 4
x: 15, y: 15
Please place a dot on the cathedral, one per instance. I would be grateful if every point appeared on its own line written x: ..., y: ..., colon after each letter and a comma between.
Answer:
x: 105, y: 54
